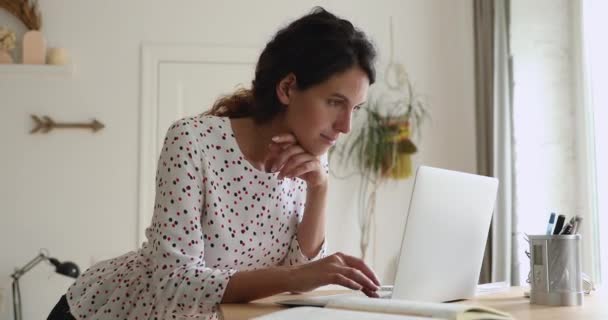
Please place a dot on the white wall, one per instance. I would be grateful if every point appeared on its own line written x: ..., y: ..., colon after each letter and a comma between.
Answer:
x: 75, y: 193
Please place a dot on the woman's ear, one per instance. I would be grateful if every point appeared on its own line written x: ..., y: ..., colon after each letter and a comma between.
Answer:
x: 285, y: 88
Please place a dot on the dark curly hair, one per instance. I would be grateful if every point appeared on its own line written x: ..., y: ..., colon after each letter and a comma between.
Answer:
x: 313, y: 48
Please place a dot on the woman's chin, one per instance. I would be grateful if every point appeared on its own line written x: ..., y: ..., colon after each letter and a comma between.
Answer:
x: 321, y: 150
x: 316, y: 149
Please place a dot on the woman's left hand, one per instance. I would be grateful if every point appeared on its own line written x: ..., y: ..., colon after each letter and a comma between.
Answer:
x: 291, y: 161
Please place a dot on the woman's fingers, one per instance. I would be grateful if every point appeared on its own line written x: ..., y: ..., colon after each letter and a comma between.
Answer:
x: 371, y: 294
x: 288, y: 157
x: 335, y: 269
x: 295, y: 163
x: 356, y: 270
x: 279, y: 147
x: 285, y: 155
x: 358, y: 277
x: 341, y: 280
x: 284, y: 138
x: 303, y: 168
x: 279, y: 144
x: 360, y: 265
x: 272, y: 159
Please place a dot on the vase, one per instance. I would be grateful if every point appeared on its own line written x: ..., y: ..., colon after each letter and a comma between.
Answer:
x: 5, y: 57
x: 34, y: 48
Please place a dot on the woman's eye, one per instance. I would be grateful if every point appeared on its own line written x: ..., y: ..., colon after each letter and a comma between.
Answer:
x: 333, y: 102
x: 357, y: 108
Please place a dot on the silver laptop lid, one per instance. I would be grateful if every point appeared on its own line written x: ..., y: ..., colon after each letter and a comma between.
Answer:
x: 445, y: 235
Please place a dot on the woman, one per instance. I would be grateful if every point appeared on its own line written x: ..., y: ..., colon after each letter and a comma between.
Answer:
x: 241, y: 190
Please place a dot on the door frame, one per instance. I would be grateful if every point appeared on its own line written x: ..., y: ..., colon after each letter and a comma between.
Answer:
x: 152, y: 56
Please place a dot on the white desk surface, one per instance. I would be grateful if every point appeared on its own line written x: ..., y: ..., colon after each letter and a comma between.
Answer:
x: 595, y: 306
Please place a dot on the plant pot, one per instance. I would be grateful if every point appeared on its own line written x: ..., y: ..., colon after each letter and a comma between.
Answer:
x: 5, y: 57
x: 398, y: 164
x: 34, y: 48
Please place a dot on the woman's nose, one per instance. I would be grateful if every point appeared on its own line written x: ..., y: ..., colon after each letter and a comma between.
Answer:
x: 343, y: 122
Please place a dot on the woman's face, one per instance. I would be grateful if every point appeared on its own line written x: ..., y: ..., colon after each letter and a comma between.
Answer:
x: 318, y: 115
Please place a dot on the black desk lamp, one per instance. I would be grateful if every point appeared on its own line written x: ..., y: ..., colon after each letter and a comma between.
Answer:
x: 67, y: 268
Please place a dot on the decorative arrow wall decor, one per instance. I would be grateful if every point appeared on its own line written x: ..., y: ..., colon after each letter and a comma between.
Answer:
x: 45, y: 124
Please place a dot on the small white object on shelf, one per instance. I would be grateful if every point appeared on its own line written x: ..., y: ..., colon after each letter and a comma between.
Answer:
x: 57, y: 56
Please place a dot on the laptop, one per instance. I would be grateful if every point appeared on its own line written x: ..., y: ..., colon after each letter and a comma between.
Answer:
x: 444, y: 239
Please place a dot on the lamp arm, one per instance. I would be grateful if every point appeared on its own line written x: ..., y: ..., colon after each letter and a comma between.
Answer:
x: 17, y: 300
x: 16, y: 290
x: 19, y: 272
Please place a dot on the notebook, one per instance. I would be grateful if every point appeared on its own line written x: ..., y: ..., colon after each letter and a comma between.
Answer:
x: 359, y: 308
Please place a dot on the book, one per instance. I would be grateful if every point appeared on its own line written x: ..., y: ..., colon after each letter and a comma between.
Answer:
x: 366, y: 308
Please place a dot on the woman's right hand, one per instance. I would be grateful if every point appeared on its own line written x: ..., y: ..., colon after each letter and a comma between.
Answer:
x: 338, y: 268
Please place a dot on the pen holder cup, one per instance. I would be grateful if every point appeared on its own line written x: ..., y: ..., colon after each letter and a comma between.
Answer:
x: 555, y: 263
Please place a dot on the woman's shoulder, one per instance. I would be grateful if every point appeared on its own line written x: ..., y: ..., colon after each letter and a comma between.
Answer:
x: 208, y: 131
x: 203, y: 123
x: 198, y: 120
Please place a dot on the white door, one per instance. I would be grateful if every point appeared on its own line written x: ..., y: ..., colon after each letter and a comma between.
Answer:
x: 187, y: 89
x: 180, y: 81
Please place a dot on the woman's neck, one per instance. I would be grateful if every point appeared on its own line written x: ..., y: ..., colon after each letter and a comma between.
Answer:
x: 253, y: 139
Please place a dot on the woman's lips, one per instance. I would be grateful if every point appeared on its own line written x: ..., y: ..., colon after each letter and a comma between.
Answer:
x: 329, y: 140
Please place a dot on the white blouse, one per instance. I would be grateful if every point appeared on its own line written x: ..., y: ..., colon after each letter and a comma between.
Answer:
x: 214, y: 214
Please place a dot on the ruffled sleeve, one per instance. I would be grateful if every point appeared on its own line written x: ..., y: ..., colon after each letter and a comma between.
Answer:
x: 186, y: 286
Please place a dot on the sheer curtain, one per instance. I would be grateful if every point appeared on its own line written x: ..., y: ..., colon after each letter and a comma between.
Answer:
x: 494, y: 133
x: 593, y: 117
x: 483, y: 12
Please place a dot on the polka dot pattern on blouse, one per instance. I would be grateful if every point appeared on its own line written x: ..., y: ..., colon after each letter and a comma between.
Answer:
x: 214, y: 214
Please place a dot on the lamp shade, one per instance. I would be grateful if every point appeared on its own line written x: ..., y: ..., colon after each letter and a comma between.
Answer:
x: 67, y: 268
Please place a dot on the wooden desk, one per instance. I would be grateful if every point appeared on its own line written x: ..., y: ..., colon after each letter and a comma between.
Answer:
x: 511, y: 301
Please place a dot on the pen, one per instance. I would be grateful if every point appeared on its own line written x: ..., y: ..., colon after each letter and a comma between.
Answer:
x: 551, y: 223
x: 577, y: 224
x: 568, y: 228
x: 559, y: 224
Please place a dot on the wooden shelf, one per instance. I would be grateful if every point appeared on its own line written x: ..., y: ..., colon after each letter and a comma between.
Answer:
x: 16, y: 69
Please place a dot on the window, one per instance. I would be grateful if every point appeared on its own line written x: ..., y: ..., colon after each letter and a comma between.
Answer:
x: 560, y: 122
